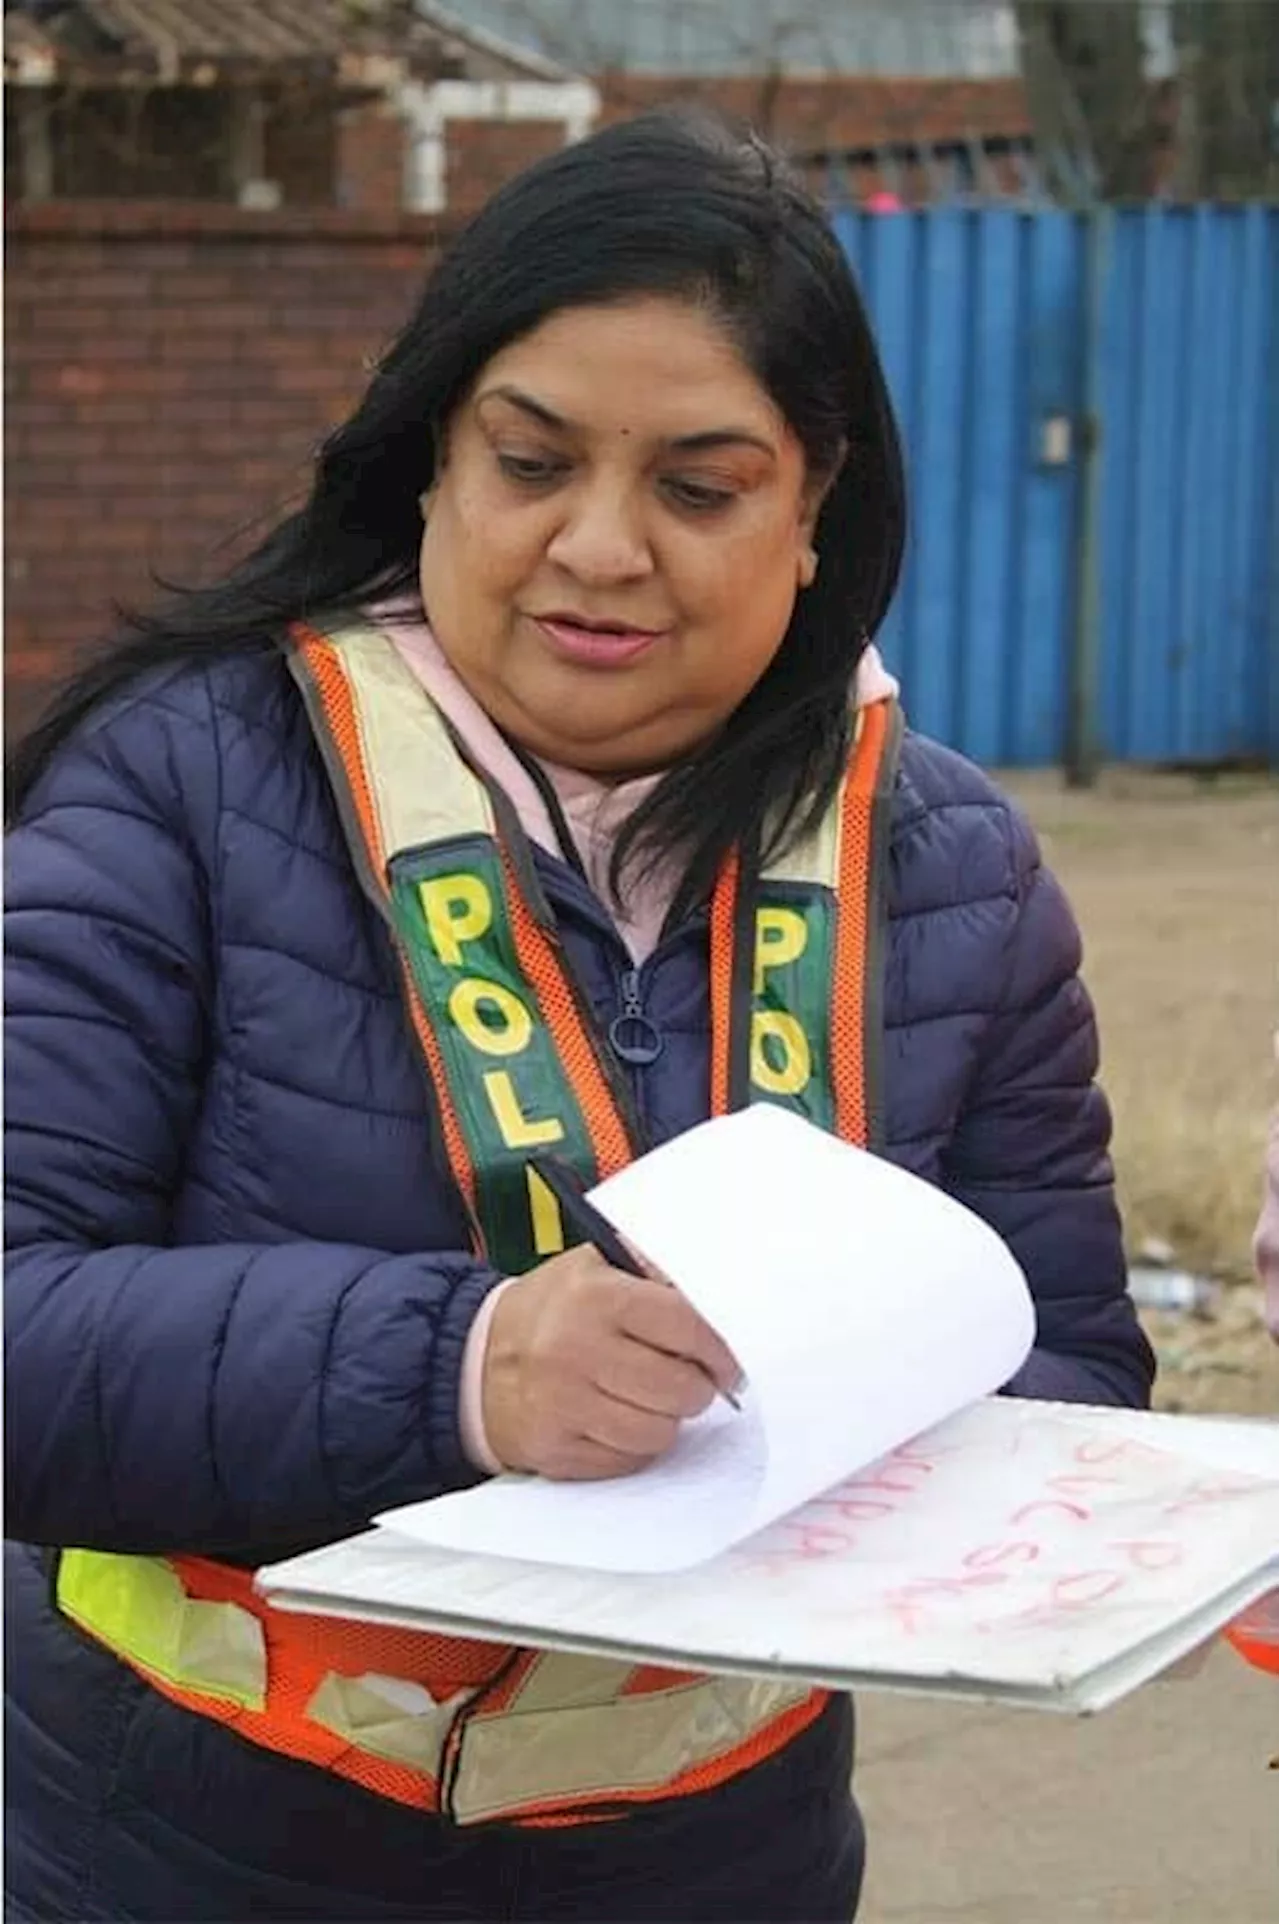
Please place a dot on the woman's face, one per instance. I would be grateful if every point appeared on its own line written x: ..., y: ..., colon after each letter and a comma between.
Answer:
x: 617, y: 532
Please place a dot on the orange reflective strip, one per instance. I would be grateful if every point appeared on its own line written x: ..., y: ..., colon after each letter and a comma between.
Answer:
x: 309, y: 1745
x: 455, y: 1143
x: 302, y: 1650
x: 848, y: 1001
x: 848, y: 1011
x: 541, y: 966
x: 334, y: 690
x: 330, y: 679
x: 724, y: 905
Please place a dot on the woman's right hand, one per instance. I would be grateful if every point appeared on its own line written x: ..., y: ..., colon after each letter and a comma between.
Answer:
x: 590, y: 1373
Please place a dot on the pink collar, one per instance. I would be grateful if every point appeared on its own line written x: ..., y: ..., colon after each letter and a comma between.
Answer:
x: 594, y: 811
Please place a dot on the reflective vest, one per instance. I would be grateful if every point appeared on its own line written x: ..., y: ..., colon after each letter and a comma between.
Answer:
x: 477, y: 1731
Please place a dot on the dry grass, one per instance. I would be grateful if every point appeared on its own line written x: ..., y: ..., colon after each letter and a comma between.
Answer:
x: 1174, y: 881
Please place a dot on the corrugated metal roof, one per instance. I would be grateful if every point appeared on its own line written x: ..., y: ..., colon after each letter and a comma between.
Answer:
x: 938, y: 39
x: 169, y: 38
x: 260, y: 30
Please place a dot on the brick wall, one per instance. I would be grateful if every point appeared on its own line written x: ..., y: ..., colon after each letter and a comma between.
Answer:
x: 818, y: 116
x: 169, y: 371
x: 832, y: 112
x: 370, y: 162
x: 482, y: 154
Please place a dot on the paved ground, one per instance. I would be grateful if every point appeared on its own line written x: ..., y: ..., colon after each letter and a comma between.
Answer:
x: 1159, y: 1811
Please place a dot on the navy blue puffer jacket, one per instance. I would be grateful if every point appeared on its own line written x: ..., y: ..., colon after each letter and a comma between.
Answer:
x: 237, y: 1287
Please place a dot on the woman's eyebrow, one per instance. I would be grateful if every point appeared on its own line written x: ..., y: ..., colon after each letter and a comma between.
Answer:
x: 701, y: 442
x: 527, y: 405
x: 721, y: 438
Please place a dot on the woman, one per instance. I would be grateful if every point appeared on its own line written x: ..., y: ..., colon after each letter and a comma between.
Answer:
x: 536, y: 784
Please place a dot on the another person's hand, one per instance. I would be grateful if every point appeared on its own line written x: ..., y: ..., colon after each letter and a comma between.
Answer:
x: 590, y: 1373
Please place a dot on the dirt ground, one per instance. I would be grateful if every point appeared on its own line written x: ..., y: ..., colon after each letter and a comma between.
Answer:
x: 1160, y: 1811
x: 1163, y: 1809
x: 1174, y: 881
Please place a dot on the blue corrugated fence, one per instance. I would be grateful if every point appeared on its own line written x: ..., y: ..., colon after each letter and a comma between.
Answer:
x: 981, y: 315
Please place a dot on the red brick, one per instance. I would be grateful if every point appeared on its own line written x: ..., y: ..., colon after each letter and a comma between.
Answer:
x: 222, y: 317
x: 184, y: 339
x: 160, y: 255
x: 309, y: 376
x: 222, y: 507
x: 107, y: 411
x: 279, y: 345
x: 34, y: 343
x: 54, y: 444
x: 105, y: 473
x: 85, y: 316
x: 24, y: 411
x: 274, y: 476
x: 146, y: 379
x: 270, y: 409
x: 193, y: 286
x: 46, y: 534
x: 71, y: 380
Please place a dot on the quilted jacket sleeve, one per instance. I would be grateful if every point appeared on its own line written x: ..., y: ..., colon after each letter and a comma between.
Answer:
x: 161, y: 1397
x: 1030, y: 1154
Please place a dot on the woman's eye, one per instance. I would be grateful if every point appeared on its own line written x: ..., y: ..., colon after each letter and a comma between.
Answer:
x: 532, y: 470
x: 699, y: 496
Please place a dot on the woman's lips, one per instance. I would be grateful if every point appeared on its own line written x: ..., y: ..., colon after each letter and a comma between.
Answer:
x: 596, y: 647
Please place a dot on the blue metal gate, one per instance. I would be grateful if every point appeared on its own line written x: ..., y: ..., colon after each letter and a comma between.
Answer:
x: 983, y: 318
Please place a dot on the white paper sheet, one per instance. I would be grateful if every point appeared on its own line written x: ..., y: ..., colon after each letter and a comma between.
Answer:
x: 863, y: 1304
x: 1023, y: 1552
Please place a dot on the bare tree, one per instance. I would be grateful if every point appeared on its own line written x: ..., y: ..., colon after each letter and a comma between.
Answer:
x: 1088, y: 96
x: 1106, y: 127
x: 1225, y: 127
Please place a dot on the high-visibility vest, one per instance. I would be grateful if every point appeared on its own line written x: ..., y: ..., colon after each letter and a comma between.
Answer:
x: 477, y: 1731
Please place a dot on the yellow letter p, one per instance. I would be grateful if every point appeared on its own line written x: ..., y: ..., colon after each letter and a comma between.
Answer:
x: 457, y: 910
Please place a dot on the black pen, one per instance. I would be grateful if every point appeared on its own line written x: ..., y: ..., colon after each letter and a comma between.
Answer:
x: 584, y: 1220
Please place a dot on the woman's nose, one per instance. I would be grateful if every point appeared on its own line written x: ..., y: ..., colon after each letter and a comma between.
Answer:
x: 602, y: 539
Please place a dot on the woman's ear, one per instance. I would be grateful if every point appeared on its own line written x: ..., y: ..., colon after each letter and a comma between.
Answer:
x: 817, y: 487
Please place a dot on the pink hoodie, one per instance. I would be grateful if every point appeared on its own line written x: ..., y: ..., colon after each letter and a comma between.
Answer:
x: 594, y: 812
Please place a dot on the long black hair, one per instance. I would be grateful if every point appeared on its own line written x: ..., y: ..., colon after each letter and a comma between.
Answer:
x: 670, y: 204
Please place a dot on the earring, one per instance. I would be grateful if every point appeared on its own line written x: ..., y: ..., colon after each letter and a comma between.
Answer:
x: 808, y: 567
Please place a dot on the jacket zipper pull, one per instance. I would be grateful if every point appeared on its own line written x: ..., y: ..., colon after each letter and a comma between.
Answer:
x: 634, y: 1037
